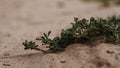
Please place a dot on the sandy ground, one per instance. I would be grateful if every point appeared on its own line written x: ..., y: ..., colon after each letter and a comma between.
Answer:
x: 27, y: 19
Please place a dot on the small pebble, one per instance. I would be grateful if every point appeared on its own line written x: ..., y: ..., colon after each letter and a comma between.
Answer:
x: 6, y: 64
x: 63, y: 61
x: 110, y: 52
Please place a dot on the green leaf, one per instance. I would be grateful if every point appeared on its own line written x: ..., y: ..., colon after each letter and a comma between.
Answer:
x: 49, y: 33
x: 45, y: 35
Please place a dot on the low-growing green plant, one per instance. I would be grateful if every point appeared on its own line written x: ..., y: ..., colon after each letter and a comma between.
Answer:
x: 82, y: 31
x: 31, y: 45
x: 107, y: 2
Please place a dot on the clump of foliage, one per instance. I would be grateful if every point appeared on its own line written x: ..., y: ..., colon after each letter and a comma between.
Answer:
x: 107, y: 2
x: 82, y: 31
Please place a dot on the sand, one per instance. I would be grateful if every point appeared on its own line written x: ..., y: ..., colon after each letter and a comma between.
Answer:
x: 27, y: 19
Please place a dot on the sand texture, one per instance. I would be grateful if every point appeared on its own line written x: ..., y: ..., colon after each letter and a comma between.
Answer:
x: 27, y: 19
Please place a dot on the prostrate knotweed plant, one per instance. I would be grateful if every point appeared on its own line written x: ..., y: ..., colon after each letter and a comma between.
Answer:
x: 82, y: 31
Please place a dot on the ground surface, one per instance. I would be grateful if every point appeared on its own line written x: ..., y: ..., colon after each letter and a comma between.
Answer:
x: 27, y: 19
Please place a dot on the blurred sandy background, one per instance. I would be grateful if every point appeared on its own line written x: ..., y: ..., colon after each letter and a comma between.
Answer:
x: 27, y: 19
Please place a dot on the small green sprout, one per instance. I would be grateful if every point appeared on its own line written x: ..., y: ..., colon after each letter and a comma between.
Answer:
x: 45, y: 38
x: 29, y: 45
